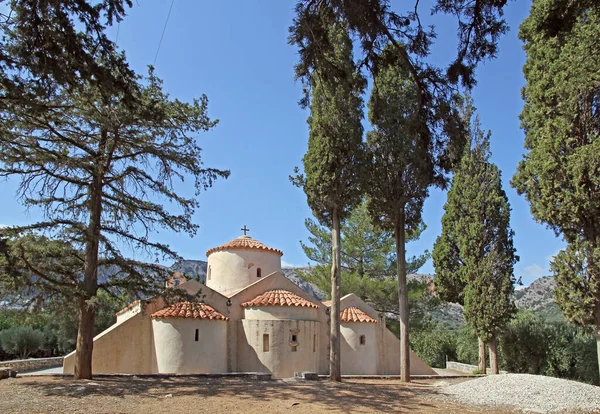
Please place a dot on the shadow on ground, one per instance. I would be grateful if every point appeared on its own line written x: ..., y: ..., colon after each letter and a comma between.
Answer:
x: 350, y: 395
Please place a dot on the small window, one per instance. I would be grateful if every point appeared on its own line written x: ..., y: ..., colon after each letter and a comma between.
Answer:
x: 208, y: 273
x: 196, y: 337
x: 176, y: 282
x: 266, y: 343
x: 315, y: 343
x: 294, y: 338
x: 363, y: 339
x: 258, y: 272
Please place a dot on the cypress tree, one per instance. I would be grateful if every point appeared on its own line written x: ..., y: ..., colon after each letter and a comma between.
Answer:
x: 401, y: 170
x: 474, y: 256
x: 560, y: 173
x: 333, y: 162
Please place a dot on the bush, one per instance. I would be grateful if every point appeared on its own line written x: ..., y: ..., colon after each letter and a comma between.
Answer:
x: 571, y: 353
x: 21, y: 340
x: 467, y: 347
x: 434, y: 344
x: 524, y: 344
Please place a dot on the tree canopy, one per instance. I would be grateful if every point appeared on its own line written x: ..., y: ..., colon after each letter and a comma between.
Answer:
x: 474, y: 256
x: 104, y: 170
x: 368, y: 264
x: 374, y: 24
x: 560, y: 173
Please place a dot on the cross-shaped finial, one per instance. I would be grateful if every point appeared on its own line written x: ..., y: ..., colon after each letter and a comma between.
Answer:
x: 244, y: 229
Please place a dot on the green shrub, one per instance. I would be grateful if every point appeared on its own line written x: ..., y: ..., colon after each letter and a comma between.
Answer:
x: 467, y: 346
x: 434, y: 344
x: 524, y: 344
x: 21, y: 340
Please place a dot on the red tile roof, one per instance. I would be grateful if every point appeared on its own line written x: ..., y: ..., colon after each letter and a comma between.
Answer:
x: 279, y: 298
x: 244, y: 243
x: 353, y: 314
x: 193, y: 310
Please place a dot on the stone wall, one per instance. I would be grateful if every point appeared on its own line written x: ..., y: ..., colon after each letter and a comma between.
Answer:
x: 22, y: 365
x: 459, y: 366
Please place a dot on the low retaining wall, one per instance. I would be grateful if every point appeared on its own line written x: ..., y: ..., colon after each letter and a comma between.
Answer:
x: 460, y: 367
x: 22, y: 365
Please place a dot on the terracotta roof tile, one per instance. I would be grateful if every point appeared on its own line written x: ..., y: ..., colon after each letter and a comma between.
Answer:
x: 279, y: 298
x: 353, y: 314
x: 193, y: 310
x: 244, y: 243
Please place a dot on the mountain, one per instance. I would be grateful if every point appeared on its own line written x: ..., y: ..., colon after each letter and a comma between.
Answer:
x: 191, y: 268
x: 537, y: 297
x: 196, y: 269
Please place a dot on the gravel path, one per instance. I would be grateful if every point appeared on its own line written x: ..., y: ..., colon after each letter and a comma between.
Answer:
x: 530, y: 393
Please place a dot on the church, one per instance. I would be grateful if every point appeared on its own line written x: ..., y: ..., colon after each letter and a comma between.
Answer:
x: 250, y: 318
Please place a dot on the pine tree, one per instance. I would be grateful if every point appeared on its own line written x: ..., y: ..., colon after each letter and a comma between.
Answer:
x: 99, y: 167
x: 46, y: 44
x: 368, y: 264
x: 332, y: 164
x: 401, y: 170
x: 474, y: 256
x: 560, y: 173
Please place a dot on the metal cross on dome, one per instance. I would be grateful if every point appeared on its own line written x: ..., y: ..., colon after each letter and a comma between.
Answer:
x: 245, y: 229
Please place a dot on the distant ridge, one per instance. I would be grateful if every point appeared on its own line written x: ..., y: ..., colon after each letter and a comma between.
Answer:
x: 537, y: 297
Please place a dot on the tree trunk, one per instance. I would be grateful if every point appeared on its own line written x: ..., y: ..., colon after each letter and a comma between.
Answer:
x: 402, y: 297
x: 597, y: 329
x: 335, y: 371
x: 493, y: 345
x: 87, y: 308
x: 481, y: 364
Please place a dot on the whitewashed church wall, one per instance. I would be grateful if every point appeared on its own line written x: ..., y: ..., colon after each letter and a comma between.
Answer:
x: 274, y: 352
x: 358, y: 358
x: 281, y: 312
x: 122, y: 348
x: 178, y: 351
x: 228, y: 271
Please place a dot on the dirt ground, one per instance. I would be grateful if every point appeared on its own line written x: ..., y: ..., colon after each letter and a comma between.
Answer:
x: 222, y: 395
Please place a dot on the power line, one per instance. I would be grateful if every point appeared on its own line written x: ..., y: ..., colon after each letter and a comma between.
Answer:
x: 163, y: 32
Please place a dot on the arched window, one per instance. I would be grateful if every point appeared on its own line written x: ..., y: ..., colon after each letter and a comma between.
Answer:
x: 258, y: 272
x: 363, y: 339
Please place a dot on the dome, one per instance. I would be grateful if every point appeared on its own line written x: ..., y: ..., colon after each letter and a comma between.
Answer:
x: 244, y: 243
x: 239, y: 263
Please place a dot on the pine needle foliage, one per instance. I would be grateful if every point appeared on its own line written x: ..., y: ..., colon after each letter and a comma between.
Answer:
x: 368, y: 262
x: 105, y: 172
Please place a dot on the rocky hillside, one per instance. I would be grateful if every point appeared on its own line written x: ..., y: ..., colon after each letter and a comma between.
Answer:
x: 539, y: 298
x: 197, y: 269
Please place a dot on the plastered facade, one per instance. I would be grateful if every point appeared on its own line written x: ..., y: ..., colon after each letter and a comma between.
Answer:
x: 275, y: 339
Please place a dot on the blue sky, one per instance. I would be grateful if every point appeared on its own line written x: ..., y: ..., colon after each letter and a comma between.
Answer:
x: 236, y: 53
